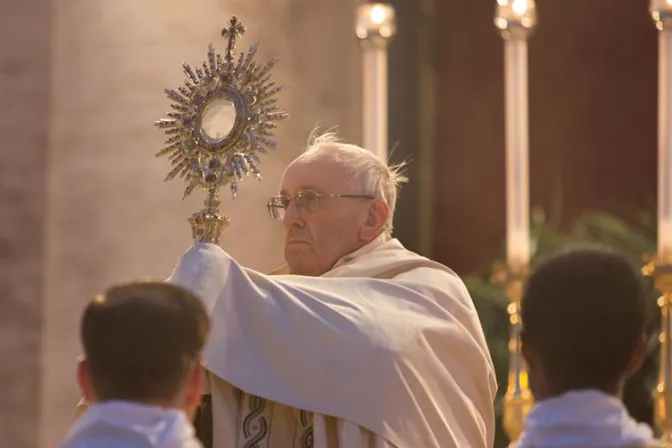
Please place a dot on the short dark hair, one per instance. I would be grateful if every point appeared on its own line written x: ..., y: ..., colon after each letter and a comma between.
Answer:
x: 141, y: 340
x: 583, y: 313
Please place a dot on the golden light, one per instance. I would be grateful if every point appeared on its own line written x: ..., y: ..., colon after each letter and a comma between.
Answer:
x: 375, y: 20
x: 515, y: 14
x: 519, y: 7
x: 661, y: 11
x: 661, y: 5
x: 378, y: 14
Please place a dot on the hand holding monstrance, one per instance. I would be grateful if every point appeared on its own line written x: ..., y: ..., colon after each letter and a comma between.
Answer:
x: 221, y: 123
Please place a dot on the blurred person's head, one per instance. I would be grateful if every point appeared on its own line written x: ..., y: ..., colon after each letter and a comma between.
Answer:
x: 583, y: 315
x: 334, y: 199
x: 143, y: 343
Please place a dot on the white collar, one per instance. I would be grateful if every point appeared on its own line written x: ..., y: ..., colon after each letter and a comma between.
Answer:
x: 120, y: 421
x: 365, y: 249
x: 583, y: 418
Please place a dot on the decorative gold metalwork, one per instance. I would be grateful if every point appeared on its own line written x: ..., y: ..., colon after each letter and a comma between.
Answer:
x: 661, y: 272
x: 518, y: 399
x: 660, y: 267
x: 516, y: 18
x: 376, y: 24
x: 661, y: 12
x: 222, y: 121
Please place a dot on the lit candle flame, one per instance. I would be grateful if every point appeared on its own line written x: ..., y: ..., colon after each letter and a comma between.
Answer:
x: 378, y: 15
x: 520, y: 7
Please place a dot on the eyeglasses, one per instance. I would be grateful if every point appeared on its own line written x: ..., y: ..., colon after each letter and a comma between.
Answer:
x: 307, y: 200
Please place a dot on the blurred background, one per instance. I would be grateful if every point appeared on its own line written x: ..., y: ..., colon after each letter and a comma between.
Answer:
x: 83, y: 205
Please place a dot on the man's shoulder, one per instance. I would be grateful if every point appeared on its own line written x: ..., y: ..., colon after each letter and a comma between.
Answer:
x: 437, y: 281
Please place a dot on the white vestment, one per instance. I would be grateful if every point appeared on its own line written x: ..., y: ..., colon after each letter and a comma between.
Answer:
x: 581, y: 419
x: 117, y: 424
x: 386, y: 349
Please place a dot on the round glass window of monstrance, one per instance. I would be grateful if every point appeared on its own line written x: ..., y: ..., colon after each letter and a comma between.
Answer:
x: 217, y: 119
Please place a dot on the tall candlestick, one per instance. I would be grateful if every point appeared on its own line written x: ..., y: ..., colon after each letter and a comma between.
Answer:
x: 515, y: 19
x: 661, y: 10
x: 661, y: 267
x: 375, y: 27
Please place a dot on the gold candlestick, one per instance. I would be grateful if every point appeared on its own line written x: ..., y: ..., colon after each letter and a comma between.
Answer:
x: 660, y: 268
x: 518, y: 399
x: 222, y: 121
x: 661, y: 271
x: 516, y: 19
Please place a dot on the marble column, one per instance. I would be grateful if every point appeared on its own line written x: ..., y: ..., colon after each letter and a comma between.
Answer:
x: 110, y: 216
x: 24, y: 89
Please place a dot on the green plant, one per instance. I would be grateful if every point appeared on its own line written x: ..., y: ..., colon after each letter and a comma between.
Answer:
x: 633, y: 238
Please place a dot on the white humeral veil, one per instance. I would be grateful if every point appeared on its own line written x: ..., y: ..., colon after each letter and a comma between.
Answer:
x: 386, y: 349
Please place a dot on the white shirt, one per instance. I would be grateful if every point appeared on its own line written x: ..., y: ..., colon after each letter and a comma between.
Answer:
x: 584, y: 418
x: 121, y: 424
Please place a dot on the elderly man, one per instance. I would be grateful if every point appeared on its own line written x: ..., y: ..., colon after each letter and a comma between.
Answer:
x: 363, y: 344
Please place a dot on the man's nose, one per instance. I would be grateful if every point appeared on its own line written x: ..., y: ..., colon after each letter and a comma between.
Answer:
x: 293, y: 216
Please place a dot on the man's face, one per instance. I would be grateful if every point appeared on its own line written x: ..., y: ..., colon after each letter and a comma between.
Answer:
x: 316, y: 239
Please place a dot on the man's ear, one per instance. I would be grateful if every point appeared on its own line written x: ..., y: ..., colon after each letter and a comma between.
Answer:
x: 194, y: 389
x: 84, y: 380
x: 378, y: 213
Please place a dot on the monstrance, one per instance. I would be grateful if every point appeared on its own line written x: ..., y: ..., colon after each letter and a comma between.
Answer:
x: 222, y: 122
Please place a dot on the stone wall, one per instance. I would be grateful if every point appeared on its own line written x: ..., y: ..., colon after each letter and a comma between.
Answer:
x: 92, y: 209
x: 24, y: 89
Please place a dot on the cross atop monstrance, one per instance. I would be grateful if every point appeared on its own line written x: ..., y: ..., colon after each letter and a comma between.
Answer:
x: 235, y: 30
x: 222, y: 122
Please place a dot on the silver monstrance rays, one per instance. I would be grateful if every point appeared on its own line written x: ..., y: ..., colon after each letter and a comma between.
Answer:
x: 221, y: 123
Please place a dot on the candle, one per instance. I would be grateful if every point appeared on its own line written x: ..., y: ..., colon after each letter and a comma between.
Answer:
x: 375, y: 27
x: 517, y: 144
x: 516, y: 18
x: 665, y: 141
x: 374, y: 106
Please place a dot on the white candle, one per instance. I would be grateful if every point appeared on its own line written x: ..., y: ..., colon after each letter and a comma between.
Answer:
x: 374, y: 107
x: 665, y: 143
x: 517, y: 145
x: 375, y: 27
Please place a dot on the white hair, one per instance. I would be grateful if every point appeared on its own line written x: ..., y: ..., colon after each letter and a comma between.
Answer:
x: 367, y: 173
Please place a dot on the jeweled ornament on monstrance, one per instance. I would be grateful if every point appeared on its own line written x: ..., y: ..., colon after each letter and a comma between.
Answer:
x: 222, y: 122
